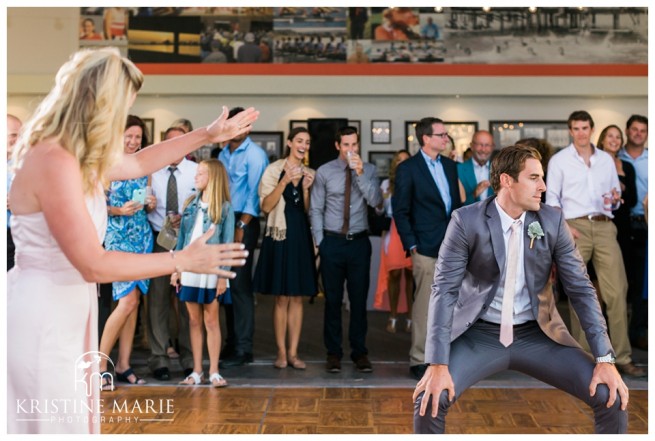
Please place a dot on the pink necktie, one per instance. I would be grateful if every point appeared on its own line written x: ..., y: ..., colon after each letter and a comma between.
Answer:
x: 506, y: 317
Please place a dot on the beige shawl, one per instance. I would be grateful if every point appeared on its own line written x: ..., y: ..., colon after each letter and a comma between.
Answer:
x: 276, y: 223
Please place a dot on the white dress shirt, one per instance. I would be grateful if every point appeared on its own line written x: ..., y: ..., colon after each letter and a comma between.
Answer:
x: 522, y: 308
x: 578, y: 189
x: 185, y: 178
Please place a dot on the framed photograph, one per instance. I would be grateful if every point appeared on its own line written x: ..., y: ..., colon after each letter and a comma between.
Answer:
x: 272, y: 142
x: 509, y: 132
x: 411, y: 143
x: 293, y: 123
x: 380, y: 132
x: 356, y: 124
x: 382, y: 162
x: 150, y: 128
x: 461, y: 133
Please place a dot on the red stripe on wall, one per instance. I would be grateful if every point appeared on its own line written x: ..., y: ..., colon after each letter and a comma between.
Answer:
x: 375, y: 69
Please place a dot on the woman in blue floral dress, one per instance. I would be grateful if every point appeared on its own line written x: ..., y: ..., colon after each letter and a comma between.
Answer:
x: 128, y: 230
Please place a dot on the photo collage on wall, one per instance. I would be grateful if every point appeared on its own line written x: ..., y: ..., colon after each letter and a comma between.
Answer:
x: 371, y: 35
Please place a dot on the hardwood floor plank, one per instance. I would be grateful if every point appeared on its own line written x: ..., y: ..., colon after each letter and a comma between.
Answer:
x: 297, y: 429
x: 289, y: 404
x: 345, y: 418
x: 292, y: 418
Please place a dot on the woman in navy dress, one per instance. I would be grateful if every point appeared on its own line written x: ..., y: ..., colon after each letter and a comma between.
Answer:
x: 286, y: 266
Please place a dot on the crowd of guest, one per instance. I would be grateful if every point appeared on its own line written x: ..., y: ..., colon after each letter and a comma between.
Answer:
x: 323, y: 213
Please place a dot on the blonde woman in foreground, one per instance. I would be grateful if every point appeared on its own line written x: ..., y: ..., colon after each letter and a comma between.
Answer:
x: 68, y: 153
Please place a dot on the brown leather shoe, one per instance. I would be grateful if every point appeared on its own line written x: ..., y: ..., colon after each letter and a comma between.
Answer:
x: 333, y: 364
x: 631, y: 369
x: 362, y: 364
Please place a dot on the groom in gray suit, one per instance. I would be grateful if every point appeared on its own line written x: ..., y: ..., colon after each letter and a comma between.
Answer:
x: 492, y: 307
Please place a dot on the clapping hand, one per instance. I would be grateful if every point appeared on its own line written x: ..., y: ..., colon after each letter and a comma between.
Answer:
x: 308, y: 181
x: 292, y: 173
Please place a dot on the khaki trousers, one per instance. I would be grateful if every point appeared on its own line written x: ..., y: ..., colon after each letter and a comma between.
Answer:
x: 423, y: 269
x: 597, y: 242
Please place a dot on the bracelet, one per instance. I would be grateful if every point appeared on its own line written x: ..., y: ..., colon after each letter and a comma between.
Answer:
x: 177, y: 268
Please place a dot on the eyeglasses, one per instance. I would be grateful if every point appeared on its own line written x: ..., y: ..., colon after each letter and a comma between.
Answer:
x: 441, y: 135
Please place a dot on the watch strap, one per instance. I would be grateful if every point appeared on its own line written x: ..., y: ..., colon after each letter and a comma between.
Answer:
x: 606, y: 359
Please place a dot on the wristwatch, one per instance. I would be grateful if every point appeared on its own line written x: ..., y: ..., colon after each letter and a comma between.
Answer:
x: 241, y: 225
x: 606, y: 359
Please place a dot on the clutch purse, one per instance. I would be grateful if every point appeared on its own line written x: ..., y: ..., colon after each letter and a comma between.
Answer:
x: 167, y: 237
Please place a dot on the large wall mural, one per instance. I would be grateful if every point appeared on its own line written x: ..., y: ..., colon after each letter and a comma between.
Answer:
x: 371, y: 35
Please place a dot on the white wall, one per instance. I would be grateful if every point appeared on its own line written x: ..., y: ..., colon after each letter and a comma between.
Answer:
x: 276, y: 111
x: 39, y: 40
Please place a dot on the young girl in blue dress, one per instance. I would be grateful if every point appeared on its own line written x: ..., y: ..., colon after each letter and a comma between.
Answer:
x: 209, y: 207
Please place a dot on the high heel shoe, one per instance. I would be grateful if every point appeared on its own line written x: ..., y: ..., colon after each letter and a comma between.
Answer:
x: 391, y: 325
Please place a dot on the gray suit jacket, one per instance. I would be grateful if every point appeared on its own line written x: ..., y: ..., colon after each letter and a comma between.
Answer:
x: 468, y: 272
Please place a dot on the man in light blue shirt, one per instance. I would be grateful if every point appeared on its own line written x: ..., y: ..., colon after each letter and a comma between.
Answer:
x: 425, y: 194
x: 636, y: 153
x: 245, y: 162
x: 13, y: 128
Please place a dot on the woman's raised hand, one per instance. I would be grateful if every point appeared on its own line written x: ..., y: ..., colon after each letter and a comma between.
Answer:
x: 224, y: 129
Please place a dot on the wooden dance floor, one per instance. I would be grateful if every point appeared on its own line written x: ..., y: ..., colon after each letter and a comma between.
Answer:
x: 202, y: 409
x: 262, y: 399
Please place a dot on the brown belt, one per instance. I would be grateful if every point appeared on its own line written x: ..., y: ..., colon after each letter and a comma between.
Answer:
x: 595, y: 218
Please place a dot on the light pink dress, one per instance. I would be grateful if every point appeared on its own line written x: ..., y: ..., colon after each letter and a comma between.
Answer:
x: 52, y: 333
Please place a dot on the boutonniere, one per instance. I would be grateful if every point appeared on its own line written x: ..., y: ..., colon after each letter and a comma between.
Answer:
x: 535, y: 232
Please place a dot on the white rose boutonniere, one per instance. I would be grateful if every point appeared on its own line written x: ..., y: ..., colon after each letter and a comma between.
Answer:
x: 535, y: 232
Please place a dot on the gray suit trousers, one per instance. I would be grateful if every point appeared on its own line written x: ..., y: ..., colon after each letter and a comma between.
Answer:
x: 477, y: 354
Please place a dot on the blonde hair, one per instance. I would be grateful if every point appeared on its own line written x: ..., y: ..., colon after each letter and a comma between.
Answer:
x: 218, y: 189
x: 86, y: 111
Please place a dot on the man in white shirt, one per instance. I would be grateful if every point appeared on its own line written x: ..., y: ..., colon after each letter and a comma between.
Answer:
x: 583, y: 182
x: 180, y: 173
x: 474, y: 173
